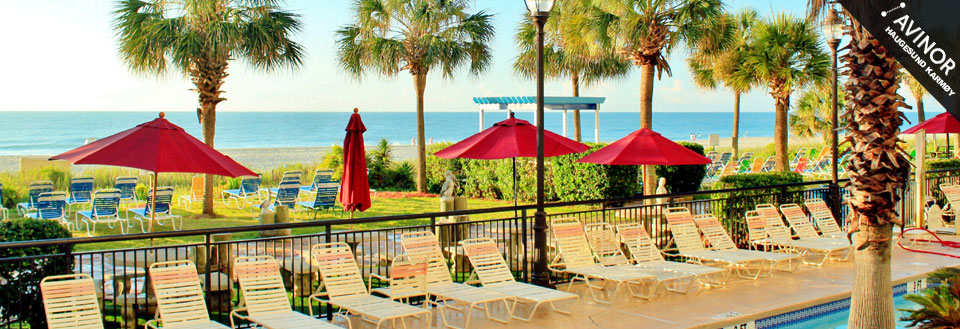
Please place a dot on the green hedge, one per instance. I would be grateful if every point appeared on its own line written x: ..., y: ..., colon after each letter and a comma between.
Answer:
x: 684, y: 178
x: 731, y: 206
x: 564, y: 178
x: 574, y: 181
x: 942, y: 164
x: 20, y: 281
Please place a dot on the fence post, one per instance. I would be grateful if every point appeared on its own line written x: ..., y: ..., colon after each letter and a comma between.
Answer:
x: 835, y: 203
x: 68, y: 258
x: 206, y: 271
x: 433, y: 225
x: 523, y: 237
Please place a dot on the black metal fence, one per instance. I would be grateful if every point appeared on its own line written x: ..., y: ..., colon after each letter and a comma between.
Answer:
x: 128, y: 302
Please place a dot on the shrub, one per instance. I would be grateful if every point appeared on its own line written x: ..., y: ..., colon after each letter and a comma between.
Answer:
x: 334, y: 159
x: 437, y: 167
x: 731, y: 206
x: 20, y: 280
x: 574, y: 181
x: 141, y: 191
x: 684, y: 178
x: 942, y: 164
x: 400, y: 177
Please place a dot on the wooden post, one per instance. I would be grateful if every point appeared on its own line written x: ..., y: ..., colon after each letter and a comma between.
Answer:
x: 224, y: 255
x: 920, y: 191
x: 596, y: 124
x: 564, y: 123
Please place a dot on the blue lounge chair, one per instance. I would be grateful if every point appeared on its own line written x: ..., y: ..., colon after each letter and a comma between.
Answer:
x: 287, y: 195
x: 321, y: 177
x: 288, y: 177
x: 51, y: 206
x: 249, y: 188
x: 163, y: 211
x: 105, y: 210
x: 33, y: 192
x: 326, y: 199
x: 81, y: 191
x: 3, y: 210
x: 128, y: 188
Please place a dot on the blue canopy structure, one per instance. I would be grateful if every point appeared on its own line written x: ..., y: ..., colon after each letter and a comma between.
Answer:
x: 515, y: 103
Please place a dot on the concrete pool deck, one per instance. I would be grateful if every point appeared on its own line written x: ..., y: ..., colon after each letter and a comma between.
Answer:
x: 740, y: 301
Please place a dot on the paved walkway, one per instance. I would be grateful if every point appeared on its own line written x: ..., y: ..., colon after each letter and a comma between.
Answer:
x: 739, y: 301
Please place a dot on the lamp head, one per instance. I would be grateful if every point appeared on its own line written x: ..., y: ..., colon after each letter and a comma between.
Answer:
x: 832, y: 26
x: 539, y: 7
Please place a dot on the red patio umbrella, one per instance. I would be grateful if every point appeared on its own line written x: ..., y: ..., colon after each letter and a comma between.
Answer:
x: 157, y: 146
x: 511, y: 138
x: 645, y: 147
x: 354, y: 184
x: 943, y: 123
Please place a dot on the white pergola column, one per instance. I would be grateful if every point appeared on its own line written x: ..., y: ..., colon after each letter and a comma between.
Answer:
x: 564, y: 123
x: 481, y: 120
x: 596, y: 124
x: 536, y: 117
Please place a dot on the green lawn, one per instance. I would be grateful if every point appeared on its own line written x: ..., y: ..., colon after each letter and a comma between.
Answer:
x: 230, y: 216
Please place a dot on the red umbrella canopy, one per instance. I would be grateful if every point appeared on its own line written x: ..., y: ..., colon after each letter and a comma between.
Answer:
x: 354, y: 184
x: 943, y: 123
x: 157, y: 146
x: 645, y: 147
x: 511, y: 138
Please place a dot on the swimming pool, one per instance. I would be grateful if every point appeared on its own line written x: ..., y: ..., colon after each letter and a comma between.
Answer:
x: 831, y: 315
x: 839, y: 318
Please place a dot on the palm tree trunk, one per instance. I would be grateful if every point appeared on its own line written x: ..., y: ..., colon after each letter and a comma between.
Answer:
x: 780, y: 133
x: 208, y: 77
x: 920, y: 116
x: 876, y: 171
x: 420, y: 83
x: 735, y: 138
x: 646, y: 121
x: 576, y: 113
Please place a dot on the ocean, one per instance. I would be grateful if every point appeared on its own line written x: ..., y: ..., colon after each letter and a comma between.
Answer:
x: 42, y: 133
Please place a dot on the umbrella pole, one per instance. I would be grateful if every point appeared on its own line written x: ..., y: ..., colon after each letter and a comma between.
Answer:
x: 153, y: 203
x: 351, y: 220
x: 514, y: 186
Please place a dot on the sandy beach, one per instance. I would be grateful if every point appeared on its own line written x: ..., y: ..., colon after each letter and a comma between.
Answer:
x: 269, y: 158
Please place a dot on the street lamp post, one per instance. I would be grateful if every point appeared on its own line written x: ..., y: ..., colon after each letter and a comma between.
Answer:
x: 833, y: 30
x: 540, y: 11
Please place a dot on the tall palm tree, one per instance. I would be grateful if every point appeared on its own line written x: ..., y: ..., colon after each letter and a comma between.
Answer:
x: 645, y: 31
x: 565, y: 55
x: 389, y: 36
x: 811, y: 112
x: 917, y: 90
x: 719, y: 59
x: 877, y: 169
x: 786, y: 56
x: 199, y: 38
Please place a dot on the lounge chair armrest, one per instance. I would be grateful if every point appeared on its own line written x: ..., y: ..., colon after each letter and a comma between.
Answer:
x: 379, y: 277
x: 152, y: 324
x: 345, y: 319
x: 315, y: 297
x: 472, y: 279
x: 236, y: 314
x: 556, y: 267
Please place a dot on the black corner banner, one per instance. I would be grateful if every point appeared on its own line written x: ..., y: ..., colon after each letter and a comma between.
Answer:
x: 923, y: 36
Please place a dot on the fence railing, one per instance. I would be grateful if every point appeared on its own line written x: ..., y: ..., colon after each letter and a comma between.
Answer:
x: 128, y: 301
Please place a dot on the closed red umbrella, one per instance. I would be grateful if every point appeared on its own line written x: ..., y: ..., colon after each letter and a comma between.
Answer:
x: 354, y: 184
x: 645, y: 147
x: 157, y: 146
x: 511, y: 138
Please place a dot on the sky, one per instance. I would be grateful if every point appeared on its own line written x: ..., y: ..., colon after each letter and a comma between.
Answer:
x: 62, y: 56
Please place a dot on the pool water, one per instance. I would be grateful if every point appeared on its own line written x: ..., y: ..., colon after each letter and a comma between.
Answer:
x: 839, y: 318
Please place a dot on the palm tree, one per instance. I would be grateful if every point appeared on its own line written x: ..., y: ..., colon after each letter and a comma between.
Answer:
x: 938, y: 304
x: 877, y: 169
x: 811, y: 112
x: 719, y: 58
x: 390, y: 36
x: 563, y: 57
x: 917, y: 90
x: 644, y: 31
x: 199, y: 38
x: 786, y: 56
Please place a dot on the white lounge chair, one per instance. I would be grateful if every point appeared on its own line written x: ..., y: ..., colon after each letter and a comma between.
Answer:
x: 180, y: 301
x: 493, y: 272
x: 766, y: 228
x: 714, y: 233
x: 70, y: 302
x: 690, y: 246
x: 645, y: 253
x: 605, y: 245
